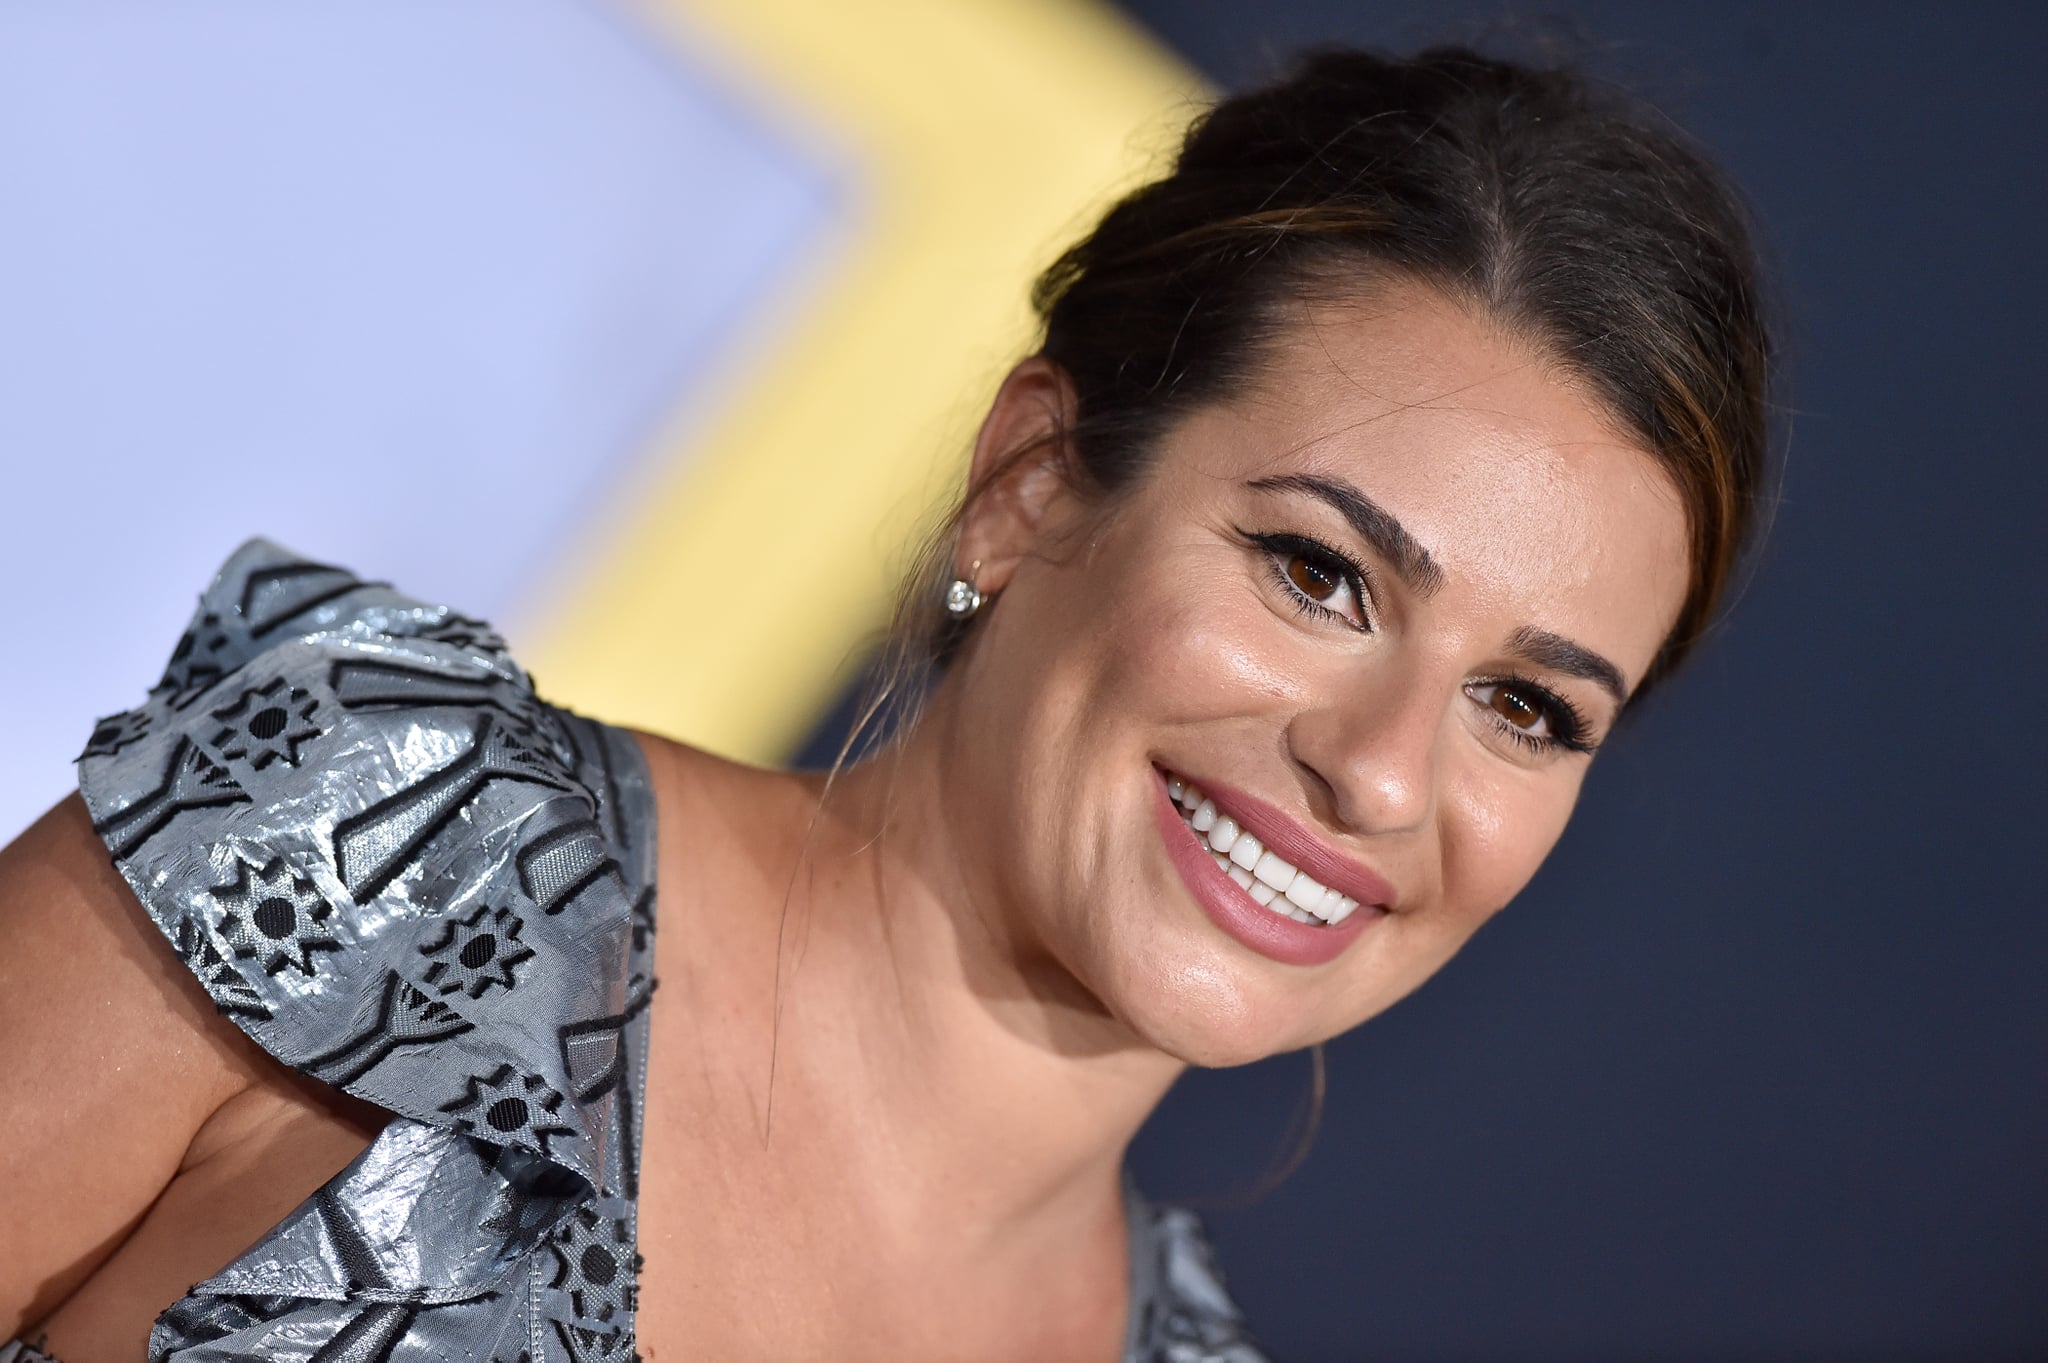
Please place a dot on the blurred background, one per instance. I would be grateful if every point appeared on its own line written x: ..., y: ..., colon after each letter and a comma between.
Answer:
x: 653, y: 331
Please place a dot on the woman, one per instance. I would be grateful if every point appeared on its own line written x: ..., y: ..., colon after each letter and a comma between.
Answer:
x: 1373, y: 461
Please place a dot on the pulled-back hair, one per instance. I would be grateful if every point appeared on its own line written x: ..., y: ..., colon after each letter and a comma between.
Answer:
x: 1566, y: 213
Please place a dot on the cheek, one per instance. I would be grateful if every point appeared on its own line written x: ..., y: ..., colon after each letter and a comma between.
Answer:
x: 1202, y: 653
x: 1497, y: 830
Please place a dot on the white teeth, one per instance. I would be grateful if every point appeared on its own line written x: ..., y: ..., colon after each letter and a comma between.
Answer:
x: 1262, y: 874
x: 1275, y: 872
x: 1305, y: 893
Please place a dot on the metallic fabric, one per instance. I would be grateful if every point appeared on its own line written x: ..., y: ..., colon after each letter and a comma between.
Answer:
x: 402, y: 873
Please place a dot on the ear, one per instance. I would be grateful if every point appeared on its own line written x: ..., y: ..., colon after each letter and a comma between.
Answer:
x: 1018, y: 485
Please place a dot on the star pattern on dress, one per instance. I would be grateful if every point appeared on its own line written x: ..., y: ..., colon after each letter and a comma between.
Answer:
x: 267, y: 723
x: 223, y: 983
x: 196, y: 663
x: 274, y: 914
x: 116, y: 732
x: 509, y: 1108
x: 595, y: 1264
x: 472, y: 954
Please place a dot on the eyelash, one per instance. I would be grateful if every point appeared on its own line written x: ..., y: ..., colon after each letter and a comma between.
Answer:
x: 1568, y: 725
x: 1333, y: 561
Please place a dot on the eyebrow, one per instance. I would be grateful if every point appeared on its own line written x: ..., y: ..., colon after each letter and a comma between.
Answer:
x: 1374, y: 524
x: 1554, y: 651
x: 1424, y: 575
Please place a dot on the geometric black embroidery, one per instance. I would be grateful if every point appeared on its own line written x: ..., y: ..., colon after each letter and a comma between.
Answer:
x: 373, y: 847
x: 504, y: 1105
x: 405, y: 1017
x: 116, y: 732
x: 224, y: 984
x: 273, y: 596
x: 620, y: 831
x: 467, y: 721
x: 267, y: 723
x: 594, y: 1264
x: 364, y: 685
x: 588, y: 1344
x: 594, y: 1055
x: 558, y: 866
x: 275, y: 913
x: 192, y: 780
x: 196, y: 663
x: 476, y: 952
x: 465, y: 633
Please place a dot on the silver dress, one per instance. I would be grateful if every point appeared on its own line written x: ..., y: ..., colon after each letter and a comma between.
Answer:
x: 402, y: 873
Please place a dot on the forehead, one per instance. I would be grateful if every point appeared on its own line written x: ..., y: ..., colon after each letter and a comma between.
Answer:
x: 1516, y: 479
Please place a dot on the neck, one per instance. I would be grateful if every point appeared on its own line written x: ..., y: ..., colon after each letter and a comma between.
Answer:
x: 917, y: 1021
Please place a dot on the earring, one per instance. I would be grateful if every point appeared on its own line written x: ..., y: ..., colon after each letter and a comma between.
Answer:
x: 963, y: 598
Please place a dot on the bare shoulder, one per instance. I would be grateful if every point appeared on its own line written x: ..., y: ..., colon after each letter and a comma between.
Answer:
x: 115, y: 1059
x: 699, y: 788
x: 697, y: 776
x: 729, y: 836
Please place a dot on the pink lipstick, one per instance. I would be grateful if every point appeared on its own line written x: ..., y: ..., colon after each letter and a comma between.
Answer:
x: 1233, y: 908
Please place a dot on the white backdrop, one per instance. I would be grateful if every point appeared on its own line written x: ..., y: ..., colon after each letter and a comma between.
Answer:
x: 405, y: 286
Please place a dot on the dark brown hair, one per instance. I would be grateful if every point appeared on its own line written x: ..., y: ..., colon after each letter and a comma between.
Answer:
x: 1566, y: 212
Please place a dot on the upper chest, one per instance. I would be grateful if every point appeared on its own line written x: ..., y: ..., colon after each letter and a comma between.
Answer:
x: 772, y: 1254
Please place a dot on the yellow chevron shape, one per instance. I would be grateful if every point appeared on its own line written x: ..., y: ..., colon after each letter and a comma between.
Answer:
x: 728, y: 603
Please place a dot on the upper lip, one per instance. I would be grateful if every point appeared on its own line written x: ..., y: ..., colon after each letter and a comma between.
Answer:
x: 1295, y: 844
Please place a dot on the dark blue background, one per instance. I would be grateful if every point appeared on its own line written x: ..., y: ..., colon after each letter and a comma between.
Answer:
x: 1758, y: 1067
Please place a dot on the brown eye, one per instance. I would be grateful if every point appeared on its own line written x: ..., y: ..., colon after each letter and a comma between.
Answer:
x: 1311, y: 580
x: 1316, y: 579
x: 1533, y: 716
x: 1514, y: 707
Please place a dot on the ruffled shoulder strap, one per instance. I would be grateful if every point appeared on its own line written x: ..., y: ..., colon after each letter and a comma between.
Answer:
x: 401, y: 873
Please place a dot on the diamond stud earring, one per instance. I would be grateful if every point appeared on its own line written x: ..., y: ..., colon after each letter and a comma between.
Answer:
x: 963, y: 598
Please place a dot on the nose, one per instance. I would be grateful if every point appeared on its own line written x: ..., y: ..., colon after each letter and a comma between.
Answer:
x: 1374, y: 756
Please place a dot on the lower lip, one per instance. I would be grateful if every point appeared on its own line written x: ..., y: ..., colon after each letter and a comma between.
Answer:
x: 1237, y: 913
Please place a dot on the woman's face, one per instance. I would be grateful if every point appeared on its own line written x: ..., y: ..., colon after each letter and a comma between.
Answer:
x: 1378, y: 608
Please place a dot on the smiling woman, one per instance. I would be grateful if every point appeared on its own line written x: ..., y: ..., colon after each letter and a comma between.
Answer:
x: 1373, y: 461
x: 1392, y: 693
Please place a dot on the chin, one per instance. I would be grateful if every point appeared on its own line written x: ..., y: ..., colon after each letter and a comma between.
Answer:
x: 1208, y: 1009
